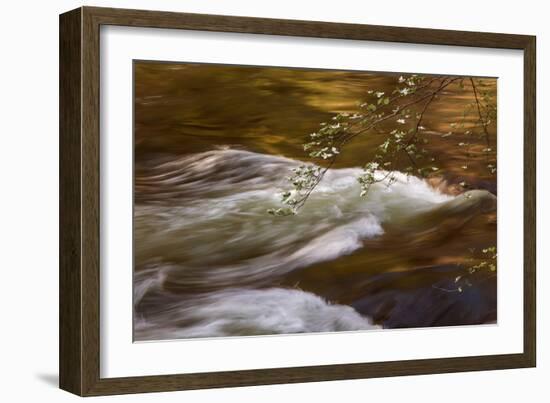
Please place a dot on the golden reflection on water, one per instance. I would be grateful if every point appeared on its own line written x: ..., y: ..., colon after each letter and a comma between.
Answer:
x: 187, y: 108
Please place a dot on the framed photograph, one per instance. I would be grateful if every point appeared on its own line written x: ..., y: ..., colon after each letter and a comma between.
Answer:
x: 249, y: 201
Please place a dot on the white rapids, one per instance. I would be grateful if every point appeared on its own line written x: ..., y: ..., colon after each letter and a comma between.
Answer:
x: 201, y: 221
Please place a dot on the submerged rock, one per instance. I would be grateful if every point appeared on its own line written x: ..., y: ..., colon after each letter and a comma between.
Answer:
x: 389, y: 300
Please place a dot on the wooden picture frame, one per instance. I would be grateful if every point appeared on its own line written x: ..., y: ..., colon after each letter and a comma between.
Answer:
x: 79, y: 346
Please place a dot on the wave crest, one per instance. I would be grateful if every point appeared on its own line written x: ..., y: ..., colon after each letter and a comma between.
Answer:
x: 237, y: 312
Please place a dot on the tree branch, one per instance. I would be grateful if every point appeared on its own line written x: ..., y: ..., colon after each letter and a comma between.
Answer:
x: 445, y: 82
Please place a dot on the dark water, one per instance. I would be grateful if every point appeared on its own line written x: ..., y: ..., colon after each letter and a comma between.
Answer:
x: 213, y: 147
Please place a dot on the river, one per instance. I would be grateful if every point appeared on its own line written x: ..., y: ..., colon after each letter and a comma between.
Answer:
x: 213, y: 148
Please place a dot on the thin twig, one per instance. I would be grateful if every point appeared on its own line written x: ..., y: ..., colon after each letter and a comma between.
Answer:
x: 483, y: 121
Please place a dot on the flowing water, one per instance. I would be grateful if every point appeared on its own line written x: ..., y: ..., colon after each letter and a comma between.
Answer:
x: 210, y: 261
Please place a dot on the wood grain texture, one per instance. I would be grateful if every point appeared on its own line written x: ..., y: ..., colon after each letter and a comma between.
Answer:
x: 90, y: 202
x: 530, y: 202
x: 70, y: 275
x: 316, y: 29
x: 80, y: 200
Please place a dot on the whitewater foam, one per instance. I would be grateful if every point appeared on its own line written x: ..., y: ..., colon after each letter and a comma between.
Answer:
x: 212, y: 213
x: 237, y: 312
x: 201, y: 229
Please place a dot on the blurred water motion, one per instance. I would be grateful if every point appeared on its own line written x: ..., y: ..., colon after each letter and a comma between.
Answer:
x: 213, y: 147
